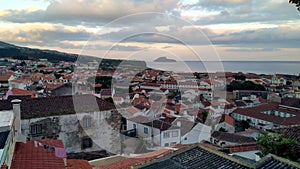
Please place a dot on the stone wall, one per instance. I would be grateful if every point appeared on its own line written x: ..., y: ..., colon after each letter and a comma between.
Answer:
x: 104, y: 130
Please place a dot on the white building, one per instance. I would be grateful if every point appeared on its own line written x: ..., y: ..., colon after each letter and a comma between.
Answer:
x: 159, y: 132
x: 269, y: 115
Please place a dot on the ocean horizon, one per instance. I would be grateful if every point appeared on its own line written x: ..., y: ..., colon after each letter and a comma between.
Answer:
x: 258, y: 67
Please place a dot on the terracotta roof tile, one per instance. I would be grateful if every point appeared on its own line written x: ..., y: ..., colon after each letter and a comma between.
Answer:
x: 16, y: 91
x: 123, y: 164
x: 78, y: 164
x: 242, y: 147
x: 4, y: 77
x: 128, y: 162
x: 27, y: 156
x: 257, y: 112
x: 4, y: 166
x: 226, y: 118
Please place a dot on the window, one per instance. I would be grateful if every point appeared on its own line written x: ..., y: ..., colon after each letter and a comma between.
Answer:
x: 134, y: 126
x: 145, y: 130
x: 174, y: 133
x: 86, y: 122
x: 166, y: 144
x: 166, y: 134
x: 86, y: 143
x: 36, y: 129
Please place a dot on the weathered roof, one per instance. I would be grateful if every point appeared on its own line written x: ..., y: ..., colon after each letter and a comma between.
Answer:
x: 230, y: 137
x: 60, y: 105
x: 185, y: 125
x: 196, y: 157
x: 140, y: 119
x: 258, y: 113
x: 292, y: 102
x: 240, y: 103
x: 272, y: 161
x: 105, y: 92
x: 162, y: 124
x: 199, y: 156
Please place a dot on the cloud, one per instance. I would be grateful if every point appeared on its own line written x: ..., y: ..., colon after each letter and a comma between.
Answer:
x: 280, y: 37
x: 99, y: 46
x: 148, y: 34
x: 246, y: 26
x: 78, y: 11
x: 253, y: 50
x: 45, y: 34
x: 241, y: 11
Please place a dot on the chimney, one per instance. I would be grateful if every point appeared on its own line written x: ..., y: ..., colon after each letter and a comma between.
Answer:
x: 17, y: 123
x: 65, y: 162
x: 17, y: 114
x: 178, y: 123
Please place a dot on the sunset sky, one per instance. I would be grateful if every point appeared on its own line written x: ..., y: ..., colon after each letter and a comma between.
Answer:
x: 235, y: 29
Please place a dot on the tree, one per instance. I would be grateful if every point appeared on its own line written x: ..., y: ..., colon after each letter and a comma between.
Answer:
x: 171, y: 95
x: 247, y: 85
x: 296, y: 2
x: 57, y: 75
x: 240, y: 77
x: 41, y: 65
x: 223, y: 129
x: 277, y: 144
x: 204, y: 116
x: 22, y: 63
x: 109, y: 99
x: 245, y: 124
x: 104, y: 80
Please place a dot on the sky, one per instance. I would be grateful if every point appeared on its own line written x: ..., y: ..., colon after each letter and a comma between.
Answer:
x: 239, y: 30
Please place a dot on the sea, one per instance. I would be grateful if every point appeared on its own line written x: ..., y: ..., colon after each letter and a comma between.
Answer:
x: 258, y: 67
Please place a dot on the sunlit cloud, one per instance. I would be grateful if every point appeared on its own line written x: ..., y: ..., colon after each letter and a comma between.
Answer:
x: 238, y: 29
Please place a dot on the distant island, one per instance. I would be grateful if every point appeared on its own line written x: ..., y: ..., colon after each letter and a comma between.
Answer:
x: 164, y: 59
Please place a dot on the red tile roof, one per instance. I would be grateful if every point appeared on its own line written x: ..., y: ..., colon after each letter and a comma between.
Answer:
x: 52, y: 86
x: 133, y: 110
x: 27, y: 156
x: 17, y: 91
x: 21, y: 81
x: 123, y: 164
x: 260, y: 99
x: 212, y: 82
x: 258, y: 113
x: 4, y: 77
x: 242, y: 147
x: 226, y: 118
x: 4, y: 166
x: 78, y: 164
